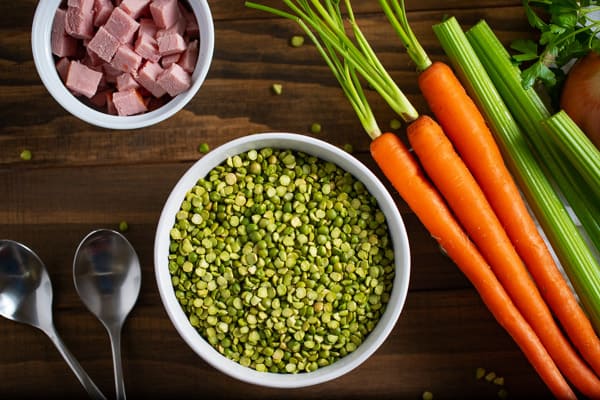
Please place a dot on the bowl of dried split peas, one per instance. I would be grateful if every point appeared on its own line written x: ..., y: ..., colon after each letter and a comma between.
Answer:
x: 122, y: 64
x: 282, y: 260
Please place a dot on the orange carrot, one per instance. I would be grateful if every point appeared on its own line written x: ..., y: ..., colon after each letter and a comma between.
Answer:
x: 465, y: 126
x: 406, y: 176
x: 464, y: 196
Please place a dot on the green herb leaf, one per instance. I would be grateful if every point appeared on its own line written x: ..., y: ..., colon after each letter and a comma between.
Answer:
x: 525, y: 46
x: 567, y: 31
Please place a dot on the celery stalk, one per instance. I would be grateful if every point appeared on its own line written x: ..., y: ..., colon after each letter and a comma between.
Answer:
x: 577, y: 147
x: 569, y: 245
x: 530, y: 112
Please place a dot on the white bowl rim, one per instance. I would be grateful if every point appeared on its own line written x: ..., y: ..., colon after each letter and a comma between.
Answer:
x: 44, y: 63
x: 324, y: 151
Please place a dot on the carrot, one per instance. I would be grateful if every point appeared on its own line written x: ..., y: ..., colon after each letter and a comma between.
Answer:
x: 406, y: 176
x: 464, y: 196
x: 465, y: 126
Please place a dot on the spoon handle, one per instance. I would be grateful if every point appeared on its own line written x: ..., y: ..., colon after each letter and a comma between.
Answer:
x: 83, y: 377
x: 115, y: 344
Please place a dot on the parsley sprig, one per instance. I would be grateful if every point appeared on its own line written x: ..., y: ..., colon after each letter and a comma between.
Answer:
x: 568, y: 30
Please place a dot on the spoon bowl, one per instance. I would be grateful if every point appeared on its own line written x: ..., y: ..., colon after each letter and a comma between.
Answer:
x: 107, y: 277
x: 26, y: 297
x: 25, y: 288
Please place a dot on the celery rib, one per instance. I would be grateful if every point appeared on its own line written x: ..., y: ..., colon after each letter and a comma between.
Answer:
x: 577, y: 147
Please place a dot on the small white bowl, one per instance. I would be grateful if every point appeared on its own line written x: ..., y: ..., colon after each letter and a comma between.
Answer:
x: 325, y: 152
x: 45, y: 65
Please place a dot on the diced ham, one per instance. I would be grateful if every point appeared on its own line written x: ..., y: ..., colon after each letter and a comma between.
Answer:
x: 99, y: 99
x: 110, y: 105
x: 61, y: 43
x: 82, y: 79
x: 126, y: 59
x: 104, y: 44
x: 177, y: 27
x: 121, y: 25
x: 62, y: 67
x: 85, y: 4
x: 174, y: 80
x: 125, y: 81
x: 129, y: 102
x: 147, y: 27
x: 91, y: 58
x: 102, y: 10
x: 191, y: 26
x: 166, y: 61
x: 165, y: 13
x: 135, y: 8
x: 125, y: 56
x: 147, y: 47
x: 111, y: 73
x: 189, y: 57
x: 79, y: 19
x: 172, y: 43
x: 147, y: 76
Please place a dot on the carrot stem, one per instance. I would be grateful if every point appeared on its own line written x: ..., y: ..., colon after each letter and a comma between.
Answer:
x: 408, y: 179
x: 396, y: 14
x: 327, y: 26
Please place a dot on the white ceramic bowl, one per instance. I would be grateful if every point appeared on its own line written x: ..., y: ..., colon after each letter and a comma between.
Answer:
x: 45, y: 65
x: 326, y: 152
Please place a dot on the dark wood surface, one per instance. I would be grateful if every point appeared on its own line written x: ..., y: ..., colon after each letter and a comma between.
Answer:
x: 82, y: 177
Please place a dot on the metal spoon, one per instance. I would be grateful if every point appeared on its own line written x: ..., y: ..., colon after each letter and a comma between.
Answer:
x: 26, y: 297
x: 107, y: 276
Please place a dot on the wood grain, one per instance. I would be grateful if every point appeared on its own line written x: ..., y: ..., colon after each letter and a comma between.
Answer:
x: 83, y: 177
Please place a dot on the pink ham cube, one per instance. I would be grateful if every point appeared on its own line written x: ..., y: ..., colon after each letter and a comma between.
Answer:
x: 102, y: 10
x: 110, y: 73
x: 62, y: 44
x: 166, y: 61
x: 191, y: 24
x: 79, y: 19
x: 177, y: 27
x: 147, y: 27
x: 174, y: 80
x: 135, y: 8
x: 129, y: 102
x: 171, y: 43
x: 104, y: 44
x: 110, y: 105
x: 147, y: 47
x: 126, y: 59
x: 165, y: 13
x: 92, y: 58
x: 125, y: 81
x: 147, y: 76
x: 62, y: 67
x: 82, y: 79
x: 189, y: 57
x: 121, y: 25
x: 99, y: 99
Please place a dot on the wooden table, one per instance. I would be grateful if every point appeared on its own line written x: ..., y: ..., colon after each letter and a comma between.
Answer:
x: 82, y: 177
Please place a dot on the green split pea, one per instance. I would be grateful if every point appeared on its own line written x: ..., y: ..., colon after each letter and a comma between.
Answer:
x: 281, y: 261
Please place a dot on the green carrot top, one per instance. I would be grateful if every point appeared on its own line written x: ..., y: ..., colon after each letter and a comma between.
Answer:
x: 396, y: 14
x: 323, y: 23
